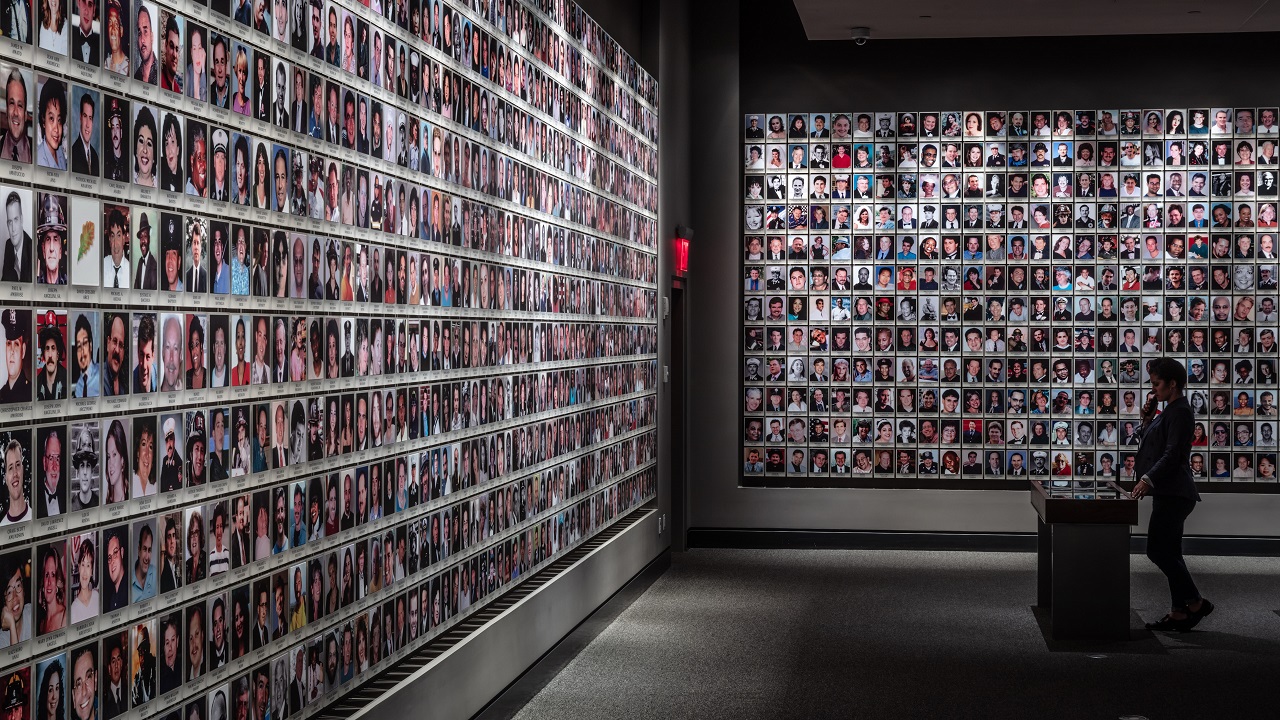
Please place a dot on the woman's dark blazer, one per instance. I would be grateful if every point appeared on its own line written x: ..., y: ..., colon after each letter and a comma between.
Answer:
x: 1165, y: 452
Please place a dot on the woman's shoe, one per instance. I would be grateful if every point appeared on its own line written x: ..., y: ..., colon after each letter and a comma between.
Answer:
x: 1194, y: 618
x: 1168, y: 623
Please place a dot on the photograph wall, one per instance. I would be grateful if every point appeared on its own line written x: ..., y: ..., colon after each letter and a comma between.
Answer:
x: 959, y: 299
x: 324, y: 324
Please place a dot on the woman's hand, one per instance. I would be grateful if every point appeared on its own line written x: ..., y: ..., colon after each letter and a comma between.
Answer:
x: 1149, y: 409
x: 1141, y: 489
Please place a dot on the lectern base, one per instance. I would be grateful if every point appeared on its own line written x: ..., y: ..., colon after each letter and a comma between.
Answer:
x: 1083, y: 579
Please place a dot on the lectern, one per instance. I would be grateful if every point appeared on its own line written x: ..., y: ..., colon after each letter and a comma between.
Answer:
x: 1083, y: 558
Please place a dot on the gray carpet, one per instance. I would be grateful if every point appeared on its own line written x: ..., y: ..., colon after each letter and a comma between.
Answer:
x: 890, y: 634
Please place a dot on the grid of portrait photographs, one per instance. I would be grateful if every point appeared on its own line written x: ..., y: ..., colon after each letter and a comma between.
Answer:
x: 967, y: 298
x: 394, y: 351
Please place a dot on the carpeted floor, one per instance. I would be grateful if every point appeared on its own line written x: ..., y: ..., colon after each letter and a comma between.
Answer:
x: 889, y: 634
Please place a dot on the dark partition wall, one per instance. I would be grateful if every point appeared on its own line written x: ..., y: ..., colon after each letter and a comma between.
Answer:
x: 324, y: 323
x: 776, y: 70
x: 968, y: 298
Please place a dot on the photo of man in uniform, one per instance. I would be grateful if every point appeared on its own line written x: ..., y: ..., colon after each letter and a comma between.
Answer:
x: 51, y: 368
x: 16, y: 324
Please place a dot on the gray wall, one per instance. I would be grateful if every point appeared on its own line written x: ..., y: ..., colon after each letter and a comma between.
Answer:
x: 622, y: 19
x: 768, y: 66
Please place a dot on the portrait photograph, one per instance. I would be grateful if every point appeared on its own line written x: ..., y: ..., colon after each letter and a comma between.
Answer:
x: 143, y: 645
x: 51, y: 237
x: 147, y: 30
x: 53, y: 113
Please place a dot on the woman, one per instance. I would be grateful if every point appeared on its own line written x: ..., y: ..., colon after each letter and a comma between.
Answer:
x: 261, y: 182
x: 775, y: 128
x: 1244, y: 153
x: 798, y: 404
x: 85, y: 605
x: 298, y: 356
x: 240, y: 368
x: 1220, y: 469
x: 348, y: 578
x: 53, y: 26
x: 51, y: 702
x: 950, y: 435
x: 1266, y: 219
x: 171, y: 175
x: 1199, y: 408
x: 798, y: 127
x: 1061, y: 467
x: 240, y: 266
x: 348, y: 45
x: 973, y: 156
x: 197, y: 79
x: 1062, y: 124
x: 144, y: 148
x: 240, y: 100
x: 1163, y: 468
x: 346, y: 440
x: 116, y: 452
x: 315, y: 604
x: 52, y: 610
x: 376, y: 413
x: 1107, y: 185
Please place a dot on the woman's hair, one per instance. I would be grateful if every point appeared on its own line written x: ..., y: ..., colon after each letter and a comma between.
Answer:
x: 86, y: 551
x: 116, y: 434
x: 195, y: 526
x: 1169, y: 370
x: 55, y: 667
x: 241, y: 63
x: 55, y: 23
x: 260, y: 156
x: 51, y: 554
x: 144, y: 120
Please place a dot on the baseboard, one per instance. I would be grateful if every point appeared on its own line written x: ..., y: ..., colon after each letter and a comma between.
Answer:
x: 466, y: 677
x: 858, y: 540
x: 1213, y: 545
x: 981, y: 542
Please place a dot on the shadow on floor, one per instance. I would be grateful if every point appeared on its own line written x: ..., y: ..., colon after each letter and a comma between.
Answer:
x: 1141, y: 640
